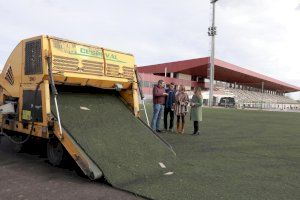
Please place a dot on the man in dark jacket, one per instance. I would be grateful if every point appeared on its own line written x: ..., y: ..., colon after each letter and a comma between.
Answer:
x: 169, y: 107
x: 159, y: 95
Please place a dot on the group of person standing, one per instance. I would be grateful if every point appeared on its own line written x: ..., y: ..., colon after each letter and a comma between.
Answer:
x: 172, y: 101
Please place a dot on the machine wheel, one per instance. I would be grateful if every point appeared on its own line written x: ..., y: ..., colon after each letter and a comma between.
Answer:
x: 55, y: 152
x: 16, y: 147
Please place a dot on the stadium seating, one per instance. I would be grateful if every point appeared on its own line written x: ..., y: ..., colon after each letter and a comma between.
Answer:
x: 247, y: 96
x: 255, y: 99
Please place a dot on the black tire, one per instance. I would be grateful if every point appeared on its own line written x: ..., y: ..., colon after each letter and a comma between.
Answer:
x: 56, y: 153
x: 17, y: 147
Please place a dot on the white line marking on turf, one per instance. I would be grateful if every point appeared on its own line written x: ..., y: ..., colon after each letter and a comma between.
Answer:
x: 162, y: 165
x: 84, y: 108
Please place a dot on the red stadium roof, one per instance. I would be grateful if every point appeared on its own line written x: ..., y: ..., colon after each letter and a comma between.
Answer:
x: 224, y: 71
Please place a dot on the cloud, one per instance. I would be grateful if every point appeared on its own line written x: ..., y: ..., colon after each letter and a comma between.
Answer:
x: 258, y: 35
x: 261, y: 36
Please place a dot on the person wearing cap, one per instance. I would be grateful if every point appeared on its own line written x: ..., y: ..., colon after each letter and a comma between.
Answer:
x: 159, y: 95
x: 169, y: 107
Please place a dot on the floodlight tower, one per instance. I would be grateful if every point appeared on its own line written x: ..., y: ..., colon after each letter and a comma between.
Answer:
x: 212, y: 31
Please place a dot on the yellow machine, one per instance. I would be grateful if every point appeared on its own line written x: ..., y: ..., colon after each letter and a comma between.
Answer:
x: 28, y: 81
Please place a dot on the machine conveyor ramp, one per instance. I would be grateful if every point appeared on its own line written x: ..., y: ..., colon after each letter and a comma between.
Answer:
x: 128, y: 153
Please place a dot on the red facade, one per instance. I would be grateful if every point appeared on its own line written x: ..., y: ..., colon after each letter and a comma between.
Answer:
x: 224, y: 71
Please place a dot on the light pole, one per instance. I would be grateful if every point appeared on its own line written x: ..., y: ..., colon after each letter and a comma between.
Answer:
x: 212, y: 31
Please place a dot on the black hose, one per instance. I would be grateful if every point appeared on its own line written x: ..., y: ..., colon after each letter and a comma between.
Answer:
x: 32, y: 119
x: 138, y: 79
x: 51, y: 80
x: 54, y: 92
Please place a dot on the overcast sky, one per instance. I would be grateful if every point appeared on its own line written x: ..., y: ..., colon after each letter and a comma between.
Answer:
x: 260, y: 35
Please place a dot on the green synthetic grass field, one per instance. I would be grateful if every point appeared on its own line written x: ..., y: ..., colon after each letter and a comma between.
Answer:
x: 126, y: 151
x: 239, y: 155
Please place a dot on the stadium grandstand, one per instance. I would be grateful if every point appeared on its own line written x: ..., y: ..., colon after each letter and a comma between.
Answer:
x: 247, y: 88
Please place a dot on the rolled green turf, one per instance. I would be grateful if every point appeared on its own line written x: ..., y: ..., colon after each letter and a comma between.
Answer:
x: 125, y: 149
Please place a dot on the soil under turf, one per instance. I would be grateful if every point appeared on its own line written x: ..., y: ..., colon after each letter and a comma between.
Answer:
x: 239, y: 155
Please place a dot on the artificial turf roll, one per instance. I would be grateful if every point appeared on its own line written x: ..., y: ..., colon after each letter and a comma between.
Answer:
x: 130, y: 155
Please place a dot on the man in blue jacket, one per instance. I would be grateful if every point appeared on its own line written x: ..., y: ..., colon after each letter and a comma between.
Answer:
x: 169, y: 107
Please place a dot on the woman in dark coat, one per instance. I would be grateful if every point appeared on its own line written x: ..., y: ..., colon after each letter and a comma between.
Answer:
x: 196, y: 109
